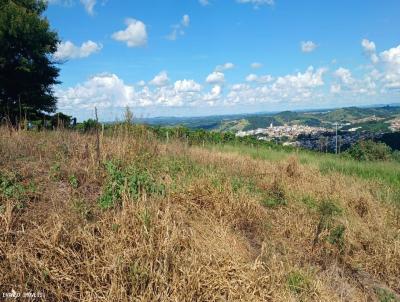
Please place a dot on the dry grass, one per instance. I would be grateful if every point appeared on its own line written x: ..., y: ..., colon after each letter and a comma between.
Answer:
x: 227, y: 228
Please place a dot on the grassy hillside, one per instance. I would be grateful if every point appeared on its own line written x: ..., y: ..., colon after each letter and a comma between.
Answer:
x: 142, y: 220
x: 359, y: 117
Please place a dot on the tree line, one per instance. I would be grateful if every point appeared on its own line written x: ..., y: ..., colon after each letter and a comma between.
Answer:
x: 28, y: 71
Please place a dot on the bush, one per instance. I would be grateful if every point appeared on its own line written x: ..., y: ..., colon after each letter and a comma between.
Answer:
x: 370, y: 151
x: 131, y: 181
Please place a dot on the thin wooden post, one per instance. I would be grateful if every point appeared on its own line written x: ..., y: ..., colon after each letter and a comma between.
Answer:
x: 97, y: 137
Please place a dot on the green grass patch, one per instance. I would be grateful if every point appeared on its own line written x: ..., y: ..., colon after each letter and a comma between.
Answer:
x: 298, y: 283
x: 386, y: 296
x: 131, y: 181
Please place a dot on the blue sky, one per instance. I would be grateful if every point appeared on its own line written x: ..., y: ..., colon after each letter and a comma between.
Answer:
x: 197, y: 57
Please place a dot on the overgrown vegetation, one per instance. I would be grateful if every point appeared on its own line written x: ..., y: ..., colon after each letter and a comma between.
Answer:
x: 170, y: 220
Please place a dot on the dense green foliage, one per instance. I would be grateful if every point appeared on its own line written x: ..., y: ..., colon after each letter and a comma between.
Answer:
x: 369, y: 150
x: 130, y: 181
x: 27, y: 72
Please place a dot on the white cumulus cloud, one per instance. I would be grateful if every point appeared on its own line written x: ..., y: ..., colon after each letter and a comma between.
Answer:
x: 135, y: 34
x: 391, y: 63
x: 215, y: 77
x: 308, y: 46
x: 225, y: 66
x: 370, y: 50
x: 160, y: 79
x: 259, y: 79
x: 68, y: 50
x: 187, y: 86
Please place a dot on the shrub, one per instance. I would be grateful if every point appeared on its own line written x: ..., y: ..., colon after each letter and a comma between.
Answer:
x: 369, y: 151
x: 131, y: 181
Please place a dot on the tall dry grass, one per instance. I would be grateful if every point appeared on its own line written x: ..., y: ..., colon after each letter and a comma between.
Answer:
x: 227, y: 228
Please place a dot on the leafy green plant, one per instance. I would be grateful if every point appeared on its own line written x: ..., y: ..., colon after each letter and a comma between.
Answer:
x: 10, y: 186
x: 275, y: 196
x: 55, y: 171
x: 73, y: 181
x: 336, y: 236
x: 386, y: 296
x: 131, y: 181
x: 327, y: 210
x: 310, y: 202
x: 298, y: 283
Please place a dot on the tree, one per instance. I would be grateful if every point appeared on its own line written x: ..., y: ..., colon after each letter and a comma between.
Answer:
x: 369, y: 151
x: 27, y: 70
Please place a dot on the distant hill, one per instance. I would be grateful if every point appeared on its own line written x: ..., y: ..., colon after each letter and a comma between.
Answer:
x: 366, y: 118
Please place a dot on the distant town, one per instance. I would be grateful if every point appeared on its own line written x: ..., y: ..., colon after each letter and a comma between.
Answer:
x: 314, y: 138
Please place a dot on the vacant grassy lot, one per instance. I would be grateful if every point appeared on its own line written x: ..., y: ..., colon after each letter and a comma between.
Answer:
x: 148, y: 221
x: 381, y: 172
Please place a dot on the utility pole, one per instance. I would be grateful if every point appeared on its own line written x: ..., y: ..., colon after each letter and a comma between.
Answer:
x: 336, y: 149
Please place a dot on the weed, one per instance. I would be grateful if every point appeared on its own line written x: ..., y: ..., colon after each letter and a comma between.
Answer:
x: 145, y: 218
x: 130, y: 181
x: 310, y: 202
x: 336, y: 236
x: 10, y: 186
x: 139, y: 276
x: 327, y: 210
x: 276, y: 196
x: 81, y: 207
x: 386, y: 296
x: 55, y: 171
x: 73, y: 181
x: 298, y: 283
x: 115, y: 227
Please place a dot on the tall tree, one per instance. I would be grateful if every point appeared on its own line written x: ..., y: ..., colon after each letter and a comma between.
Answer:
x: 27, y: 70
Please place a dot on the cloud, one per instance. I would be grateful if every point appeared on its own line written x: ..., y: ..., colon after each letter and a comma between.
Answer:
x: 256, y: 3
x: 386, y: 65
x: 89, y: 6
x: 160, y: 79
x: 335, y: 88
x: 225, y: 66
x: 68, y: 50
x: 251, y: 77
x: 214, y: 95
x: 391, y: 63
x: 103, y: 91
x: 346, y: 83
x: 109, y: 91
x: 344, y: 75
x: 308, y: 46
x: 370, y: 50
x: 368, y: 46
x: 187, y: 86
x: 135, y: 35
x: 256, y: 65
x: 215, y: 77
x: 259, y: 79
x: 300, y: 87
x: 179, y: 29
x: 185, y: 20
x: 204, y: 2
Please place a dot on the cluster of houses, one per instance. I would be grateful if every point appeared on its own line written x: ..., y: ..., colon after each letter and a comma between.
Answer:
x: 289, y: 131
